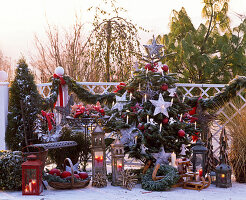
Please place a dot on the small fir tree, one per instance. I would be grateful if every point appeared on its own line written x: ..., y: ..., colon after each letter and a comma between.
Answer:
x: 24, y: 105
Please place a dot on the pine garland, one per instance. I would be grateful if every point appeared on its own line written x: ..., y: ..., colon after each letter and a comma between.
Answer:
x: 221, y: 98
x: 82, y: 93
x: 171, y: 178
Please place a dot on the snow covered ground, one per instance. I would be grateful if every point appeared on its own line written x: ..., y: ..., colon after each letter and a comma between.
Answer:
x: 236, y: 192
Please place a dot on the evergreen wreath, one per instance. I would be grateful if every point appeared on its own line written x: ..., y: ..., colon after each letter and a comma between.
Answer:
x: 171, y: 178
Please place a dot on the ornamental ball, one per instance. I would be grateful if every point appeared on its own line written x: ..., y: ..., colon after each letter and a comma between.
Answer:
x: 164, y: 87
x: 165, y: 68
x: 59, y: 71
x: 181, y: 133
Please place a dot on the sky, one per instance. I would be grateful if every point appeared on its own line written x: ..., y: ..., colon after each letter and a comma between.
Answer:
x: 20, y: 20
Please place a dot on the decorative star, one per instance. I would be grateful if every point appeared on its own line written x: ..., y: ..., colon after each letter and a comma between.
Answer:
x: 120, y: 102
x: 171, y: 120
x: 161, y: 106
x: 154, y: 48
x: 128, y: 136
x: 162, y: 157
x: 172, y: 91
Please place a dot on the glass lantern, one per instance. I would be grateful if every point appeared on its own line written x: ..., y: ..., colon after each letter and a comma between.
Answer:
x: 199, y: 157
x: 213, y: 177
x: 98, y: 151
x: 117, y: 154
x: 223, y: 176
x: 32, y: 176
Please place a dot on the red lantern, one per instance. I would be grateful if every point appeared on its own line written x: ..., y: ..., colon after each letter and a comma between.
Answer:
x: 32, y: 176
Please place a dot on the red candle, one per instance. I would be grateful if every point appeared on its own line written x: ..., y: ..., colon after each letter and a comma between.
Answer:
x: 34, y: 185
x: 119, y: 167
x: 200, y: 172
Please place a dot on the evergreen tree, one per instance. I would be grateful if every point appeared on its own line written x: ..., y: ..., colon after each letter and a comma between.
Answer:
x: 24, y: 105
x: 151, y: 113
x: 212, y: 53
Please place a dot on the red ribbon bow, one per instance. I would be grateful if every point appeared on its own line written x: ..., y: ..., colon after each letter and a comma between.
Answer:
x: 49, y: 117
x: 62, y: 82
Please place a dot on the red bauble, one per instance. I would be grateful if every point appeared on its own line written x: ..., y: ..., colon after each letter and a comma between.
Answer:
x: 148, y: 66
x: 65, y: 174
x: 181, y: 133
x: 164, y: 87
x: 55, y: 171
x: 165, y: 68
x: 140, y: 126
x: 76, y: 176
x: 83, y: 175
x: 165, y: 121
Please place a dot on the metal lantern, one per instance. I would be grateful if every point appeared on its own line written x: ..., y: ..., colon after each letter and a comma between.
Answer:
x: 223, y: 176
x: 98, y: 152
x: 213, y: 177
x: 199, y: 157
x: 117, y: 154
x: 32, y: 176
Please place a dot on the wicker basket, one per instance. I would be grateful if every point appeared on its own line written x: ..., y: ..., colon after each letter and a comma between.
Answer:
x: 72, y: 184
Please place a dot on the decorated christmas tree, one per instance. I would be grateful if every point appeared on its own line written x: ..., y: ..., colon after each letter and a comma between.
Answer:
x: 24, y: 105
x: 150, y: 112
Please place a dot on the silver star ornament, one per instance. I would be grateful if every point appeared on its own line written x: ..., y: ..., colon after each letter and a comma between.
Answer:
x: 161, y: 106
x: 120, y: 102
x: 154, y: 48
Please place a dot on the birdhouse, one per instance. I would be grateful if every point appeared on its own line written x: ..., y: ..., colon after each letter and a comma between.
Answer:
x: 223, y: 176
x: 199, y: 157
x: 32, y: 176
x: 117, y: 158
x: 98, y: 152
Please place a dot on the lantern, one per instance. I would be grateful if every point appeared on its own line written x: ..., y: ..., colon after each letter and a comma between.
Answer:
x: 98, y: 152
x: 223, y: 176
x: 213, y: 177
x: 199, y: 157
x: 32, y: 176
x: 117, y: 154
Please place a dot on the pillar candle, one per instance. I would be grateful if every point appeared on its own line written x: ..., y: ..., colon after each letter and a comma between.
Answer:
x: 173, y: 159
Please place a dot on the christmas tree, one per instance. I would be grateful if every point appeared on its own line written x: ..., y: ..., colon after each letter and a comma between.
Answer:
x: 24, y: 105
x: 150, y: 112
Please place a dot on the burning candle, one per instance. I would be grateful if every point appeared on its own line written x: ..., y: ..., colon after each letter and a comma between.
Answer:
x: 183, y: 99
x: 173, y: 159
x: 27, y: 188
x: 34, y: 185
x: 30, y: 186
x: 160, y: 126
x: 147, y: 70
x: 200, y: 172
x: 98, y: 161
x: 130, y: 96
x: 119, y: 167
x: 147, y: 118
x: 145, y: 98
x: 172, y: 102
x: 127, y: 118
x: 180, y: 117
x: 136, y: 138
x: 195, y: 125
